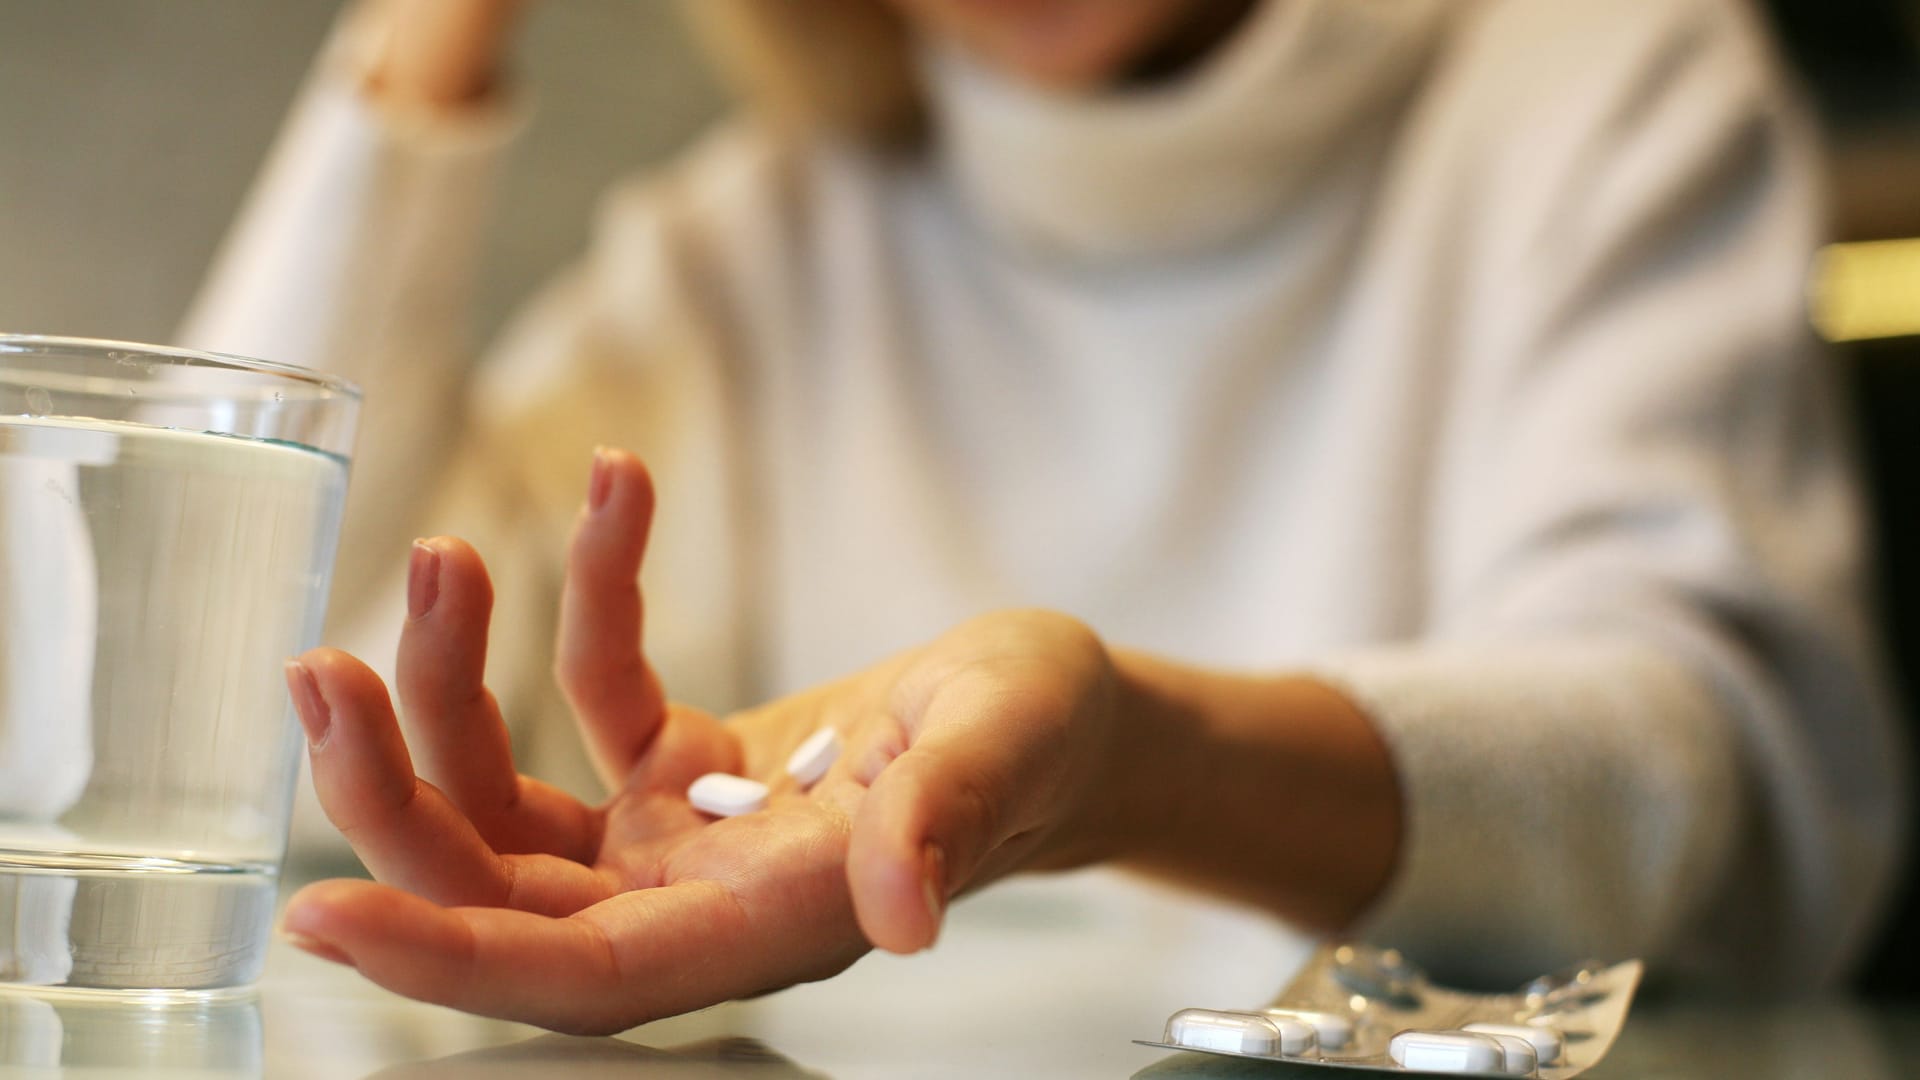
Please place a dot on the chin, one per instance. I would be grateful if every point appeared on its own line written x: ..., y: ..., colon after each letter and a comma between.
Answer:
x: 1063, y: 44
x: 1062, y: 73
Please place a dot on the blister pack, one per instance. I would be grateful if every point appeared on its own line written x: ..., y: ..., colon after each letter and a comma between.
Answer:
x: 1361, y: 1008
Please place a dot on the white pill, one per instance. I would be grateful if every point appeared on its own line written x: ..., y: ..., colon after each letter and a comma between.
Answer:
x: 725, y: 795
x: 1518, y: 1057
x: 814, y: 757
x: 1547, y: 1043
x: 1239, y: 1033
x: 1331, y: 1030
x: 1446, y: 1052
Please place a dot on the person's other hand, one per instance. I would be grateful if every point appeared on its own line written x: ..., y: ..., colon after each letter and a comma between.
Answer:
x: 975, y: 755
x: 440, y: 53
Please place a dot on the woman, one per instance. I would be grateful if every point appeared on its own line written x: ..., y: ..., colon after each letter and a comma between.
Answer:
x: 1438, y: 365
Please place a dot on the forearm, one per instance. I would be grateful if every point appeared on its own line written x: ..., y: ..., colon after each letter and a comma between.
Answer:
x: 355, y: 253
x: 1567, y: 793
x: 1273, y: 789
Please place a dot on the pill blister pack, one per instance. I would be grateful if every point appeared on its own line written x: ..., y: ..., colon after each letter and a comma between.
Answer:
x: 1356, y: 1007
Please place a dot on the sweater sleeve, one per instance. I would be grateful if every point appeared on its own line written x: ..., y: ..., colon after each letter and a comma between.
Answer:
x: 355, y: 253
x: 1646, y: 717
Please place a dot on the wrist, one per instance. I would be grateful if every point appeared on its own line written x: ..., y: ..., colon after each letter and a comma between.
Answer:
x: 1142, y: 783
x: 1273, y: 789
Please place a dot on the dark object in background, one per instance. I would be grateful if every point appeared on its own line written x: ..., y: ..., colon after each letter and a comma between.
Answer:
x: 1861, y: 58
x: 1885, y: 377
x: 1861, y: 63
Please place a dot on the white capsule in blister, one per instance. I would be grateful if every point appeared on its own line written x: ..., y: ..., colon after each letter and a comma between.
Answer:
x: 1517, y: 1055
x: 814, y: 757
x: 1239, y: 1033
x: 1331, y: 1030
x: 1446, y: 1052
x: 1547, y: 1043
x: 725, y: 795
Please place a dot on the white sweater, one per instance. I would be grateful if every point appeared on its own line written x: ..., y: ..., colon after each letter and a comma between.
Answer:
x: 1450, y: 350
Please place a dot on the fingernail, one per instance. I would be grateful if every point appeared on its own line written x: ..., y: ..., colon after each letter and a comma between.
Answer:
x: 307, y: 702
x: 317, y: 947
x: 423, y: 580
x: 601, y: 484
x: 934, y: 885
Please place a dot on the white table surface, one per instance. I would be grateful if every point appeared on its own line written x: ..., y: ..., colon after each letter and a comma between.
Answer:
x: 1036, y: 978
x: 1033, y: 978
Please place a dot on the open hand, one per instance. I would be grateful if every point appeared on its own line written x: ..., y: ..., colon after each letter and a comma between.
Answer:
x: 964, y: 760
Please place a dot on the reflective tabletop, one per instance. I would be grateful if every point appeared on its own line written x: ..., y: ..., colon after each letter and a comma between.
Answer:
x: 1025, y: 983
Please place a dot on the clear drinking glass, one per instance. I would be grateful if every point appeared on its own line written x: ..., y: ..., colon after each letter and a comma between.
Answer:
x: 167, y: 529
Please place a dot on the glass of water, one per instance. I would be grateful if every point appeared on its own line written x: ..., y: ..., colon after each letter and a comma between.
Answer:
x: 167, y: 528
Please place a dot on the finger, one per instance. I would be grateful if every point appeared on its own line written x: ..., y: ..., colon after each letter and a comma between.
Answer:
x: 403, y: 828
x: 453, y: 725
x: 599, y: 663
x: 689, y: 744
x: 935, y: 814
x: 492, y: 961
x: 555, y: 886
x: 637, y: 957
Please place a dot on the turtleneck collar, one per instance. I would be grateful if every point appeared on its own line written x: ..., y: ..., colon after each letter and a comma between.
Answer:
x: 1182, y: 165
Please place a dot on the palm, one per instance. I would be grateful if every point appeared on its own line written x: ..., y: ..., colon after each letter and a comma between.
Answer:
x: 787, y: 863
x: 653, y: 838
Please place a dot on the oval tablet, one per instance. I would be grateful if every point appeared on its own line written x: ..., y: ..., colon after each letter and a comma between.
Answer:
x: 1447, y: 1052
x: 1546, y: 1042
x: 814, y: 757
x: 1239, y: 1033
x: 1518, y: 1057
x: 1331, y: 1030
x: 725, y: 795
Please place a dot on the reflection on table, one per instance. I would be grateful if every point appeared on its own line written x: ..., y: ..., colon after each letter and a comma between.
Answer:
x: 551, y: 1055
x: 1030, y: 981
x: 56, y: 1033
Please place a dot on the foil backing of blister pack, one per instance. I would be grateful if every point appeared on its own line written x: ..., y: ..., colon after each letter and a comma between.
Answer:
x: 1364, y: 996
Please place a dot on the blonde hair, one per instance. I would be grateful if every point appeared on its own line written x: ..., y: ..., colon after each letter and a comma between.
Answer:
x: 836, y: 67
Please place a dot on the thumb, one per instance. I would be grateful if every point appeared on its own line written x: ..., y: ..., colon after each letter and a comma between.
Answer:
x: 949, y: 812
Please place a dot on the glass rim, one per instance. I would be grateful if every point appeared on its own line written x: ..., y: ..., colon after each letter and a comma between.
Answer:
x: 324, y: 380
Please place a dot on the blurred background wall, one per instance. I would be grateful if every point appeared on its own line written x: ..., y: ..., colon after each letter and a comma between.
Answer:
x: 132, y: 128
